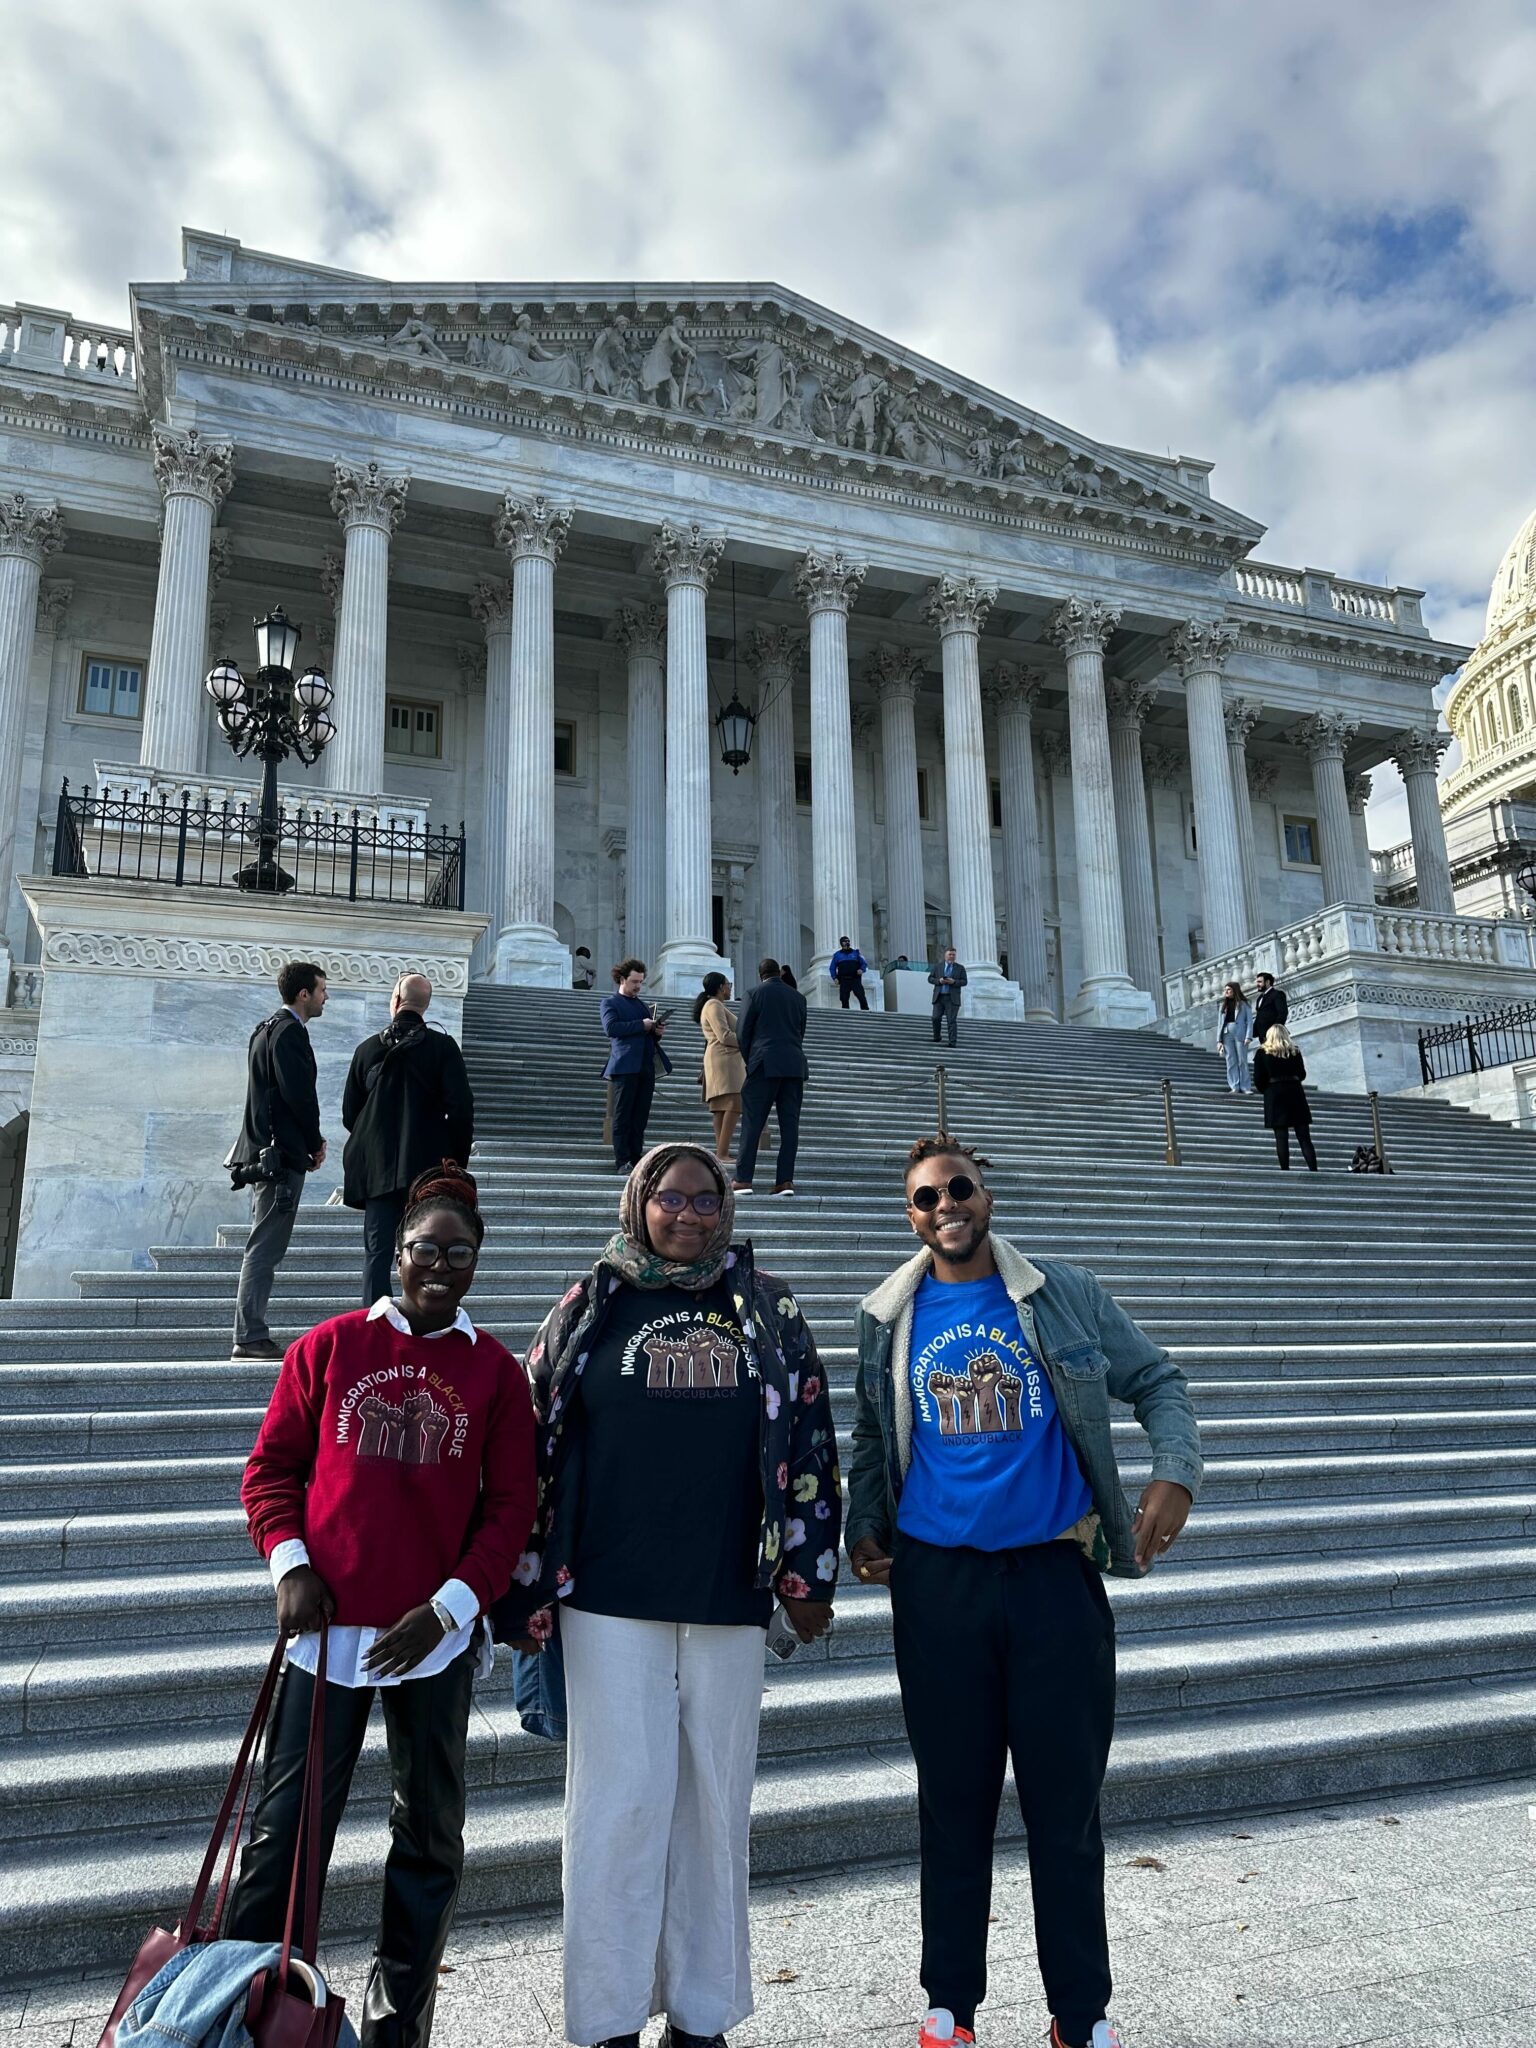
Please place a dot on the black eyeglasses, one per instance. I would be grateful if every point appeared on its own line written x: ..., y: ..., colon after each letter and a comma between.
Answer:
x: 675, y: 1202
x: 960, y: 1188
x: 422, y: 1252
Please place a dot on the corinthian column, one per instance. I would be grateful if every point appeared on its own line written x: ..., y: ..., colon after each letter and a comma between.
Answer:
x: 641, y: 630
x: 958, y: 605
x: 1324, y: 737
x: 1108, y: 996
x: 528, y: 950
x: 897, y: 676
x: 31, y: 529
x: 1357, y: 788
x: 1199, y: 651
x: 194, y: 476
x: 1013, y: 691
x: 369, y: 504
x: 829, y: 583
x: 686, y: 557
x: 776, y: 653
x: 492, y: 606
x: 1241, y: 717
x: 1129, y: 703
x: 1417, y: 755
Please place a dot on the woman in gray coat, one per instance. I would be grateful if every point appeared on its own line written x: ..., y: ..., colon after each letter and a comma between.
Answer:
x: 1234, y: 1026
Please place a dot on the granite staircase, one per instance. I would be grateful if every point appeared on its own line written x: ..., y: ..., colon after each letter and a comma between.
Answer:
x: 1350, y: 1611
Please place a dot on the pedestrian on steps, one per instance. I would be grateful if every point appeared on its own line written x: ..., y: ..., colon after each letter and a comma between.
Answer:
x: 948, y: 978
x: 848, y: 968
x: 1278, y: 1072
x: 1271, y: 1006
x: 635, y: 1031
x: 407, y: 1104
x: 725, y: 1070
x: 1234, y: 1028
x: 984, y: 1492
x: 771, y: 1037
x: 688, y: 1475
x: 391, y: 1491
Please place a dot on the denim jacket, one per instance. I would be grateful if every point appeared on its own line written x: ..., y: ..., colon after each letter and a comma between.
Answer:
x: 197, y: 1998
x: 1091, y: 1351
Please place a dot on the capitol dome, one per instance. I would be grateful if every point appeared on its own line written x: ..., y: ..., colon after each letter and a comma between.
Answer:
x: 1514, y: 586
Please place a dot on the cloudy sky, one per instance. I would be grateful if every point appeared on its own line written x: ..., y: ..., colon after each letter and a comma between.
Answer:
x: 1294, y: 240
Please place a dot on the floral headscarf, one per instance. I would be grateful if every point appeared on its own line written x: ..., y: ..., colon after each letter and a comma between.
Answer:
x: 630, y: 1251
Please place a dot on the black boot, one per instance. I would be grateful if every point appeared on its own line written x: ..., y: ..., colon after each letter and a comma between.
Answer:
x: 674, y: 2037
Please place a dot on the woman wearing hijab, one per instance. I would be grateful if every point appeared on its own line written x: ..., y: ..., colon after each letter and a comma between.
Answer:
x: 1232, y: 1031
x: 725, y: 1071
x: 688, y: 1474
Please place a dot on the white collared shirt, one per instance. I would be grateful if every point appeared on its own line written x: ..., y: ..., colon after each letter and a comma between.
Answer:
x: 348, y: 1649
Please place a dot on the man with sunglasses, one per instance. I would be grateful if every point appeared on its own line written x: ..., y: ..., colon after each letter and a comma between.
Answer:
x: 984, y: 1492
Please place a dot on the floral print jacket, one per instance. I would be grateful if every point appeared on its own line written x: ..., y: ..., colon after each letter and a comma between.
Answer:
x: 802, y: 1489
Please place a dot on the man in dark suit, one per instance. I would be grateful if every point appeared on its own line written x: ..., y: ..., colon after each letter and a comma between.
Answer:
x: 948, y: 978
x: 1271, y: 1006
x: 408, y: 1107
x: 282, y: 1113
x: 635, y: 1031
x: 771, y: 1035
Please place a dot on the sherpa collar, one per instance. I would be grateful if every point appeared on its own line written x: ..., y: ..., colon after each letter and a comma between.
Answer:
x: 886, y: 1302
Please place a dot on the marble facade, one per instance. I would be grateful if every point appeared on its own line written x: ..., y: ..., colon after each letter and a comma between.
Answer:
x: 995, y: 663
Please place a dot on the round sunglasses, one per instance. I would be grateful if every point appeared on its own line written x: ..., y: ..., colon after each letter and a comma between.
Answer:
x: 675, y: 1202
x: 959, y: 1187
x: 423, y: 1253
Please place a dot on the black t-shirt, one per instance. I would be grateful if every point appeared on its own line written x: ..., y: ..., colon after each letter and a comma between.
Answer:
x: 672, y: 1499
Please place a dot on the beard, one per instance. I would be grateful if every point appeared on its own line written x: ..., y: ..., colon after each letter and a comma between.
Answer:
x: 954, y: 1251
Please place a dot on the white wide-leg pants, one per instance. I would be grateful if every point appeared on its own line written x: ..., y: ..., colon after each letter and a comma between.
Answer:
x: 661, y: 1751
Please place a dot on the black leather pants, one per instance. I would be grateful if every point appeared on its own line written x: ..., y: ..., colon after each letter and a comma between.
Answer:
x: 426, y: 1723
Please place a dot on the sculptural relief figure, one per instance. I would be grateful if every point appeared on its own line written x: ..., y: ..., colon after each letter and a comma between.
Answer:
x: 524, y: 358
x: 772, y: 381
x: 862, y: 397
x: 1079, y: 483
x: 664, y: 373
x: 792, y: 417
x: 609, y: 367
x: 1014, y: 461
x: 416, y: 338
x: 903, y: 437
x: 982, y: 454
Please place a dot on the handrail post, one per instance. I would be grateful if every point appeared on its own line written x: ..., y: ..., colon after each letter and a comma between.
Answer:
x: 352, y: 870
x: 1381, y: 1150
x: 181, y: 840
x: 1424, y: 1061
x: 1171, y: 1155
x: 941, y: 1083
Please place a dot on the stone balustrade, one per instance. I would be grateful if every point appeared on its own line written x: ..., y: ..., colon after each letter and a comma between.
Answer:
x: 37, y: 338
x: 141, y: 784
x: 1489, y: 838
x: 1319, y: 593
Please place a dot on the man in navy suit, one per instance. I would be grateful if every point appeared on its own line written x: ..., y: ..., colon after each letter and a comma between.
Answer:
x: 771, y: 1036
x: 636, y: 1031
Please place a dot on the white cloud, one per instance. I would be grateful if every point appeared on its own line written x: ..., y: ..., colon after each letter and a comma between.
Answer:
x: 1292, y: 240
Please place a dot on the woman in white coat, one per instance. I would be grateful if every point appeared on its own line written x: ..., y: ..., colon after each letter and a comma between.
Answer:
x: 1234, y: 1026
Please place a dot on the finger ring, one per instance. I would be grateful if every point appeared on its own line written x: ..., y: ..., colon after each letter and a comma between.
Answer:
x: 863, y: 1571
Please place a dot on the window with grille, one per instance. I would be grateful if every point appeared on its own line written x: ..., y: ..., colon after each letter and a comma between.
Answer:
x: 110, y: 688
x: 414, y: 728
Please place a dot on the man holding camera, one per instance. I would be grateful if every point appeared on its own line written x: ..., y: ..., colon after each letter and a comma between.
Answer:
x: 279, y: 1142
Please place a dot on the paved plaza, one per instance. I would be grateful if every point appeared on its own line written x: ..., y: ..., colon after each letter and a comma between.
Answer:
x: 1408, y: 1920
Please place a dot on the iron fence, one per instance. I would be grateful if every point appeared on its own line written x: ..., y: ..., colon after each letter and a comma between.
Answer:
x: 223, y: 846
x: 1491, y: 1040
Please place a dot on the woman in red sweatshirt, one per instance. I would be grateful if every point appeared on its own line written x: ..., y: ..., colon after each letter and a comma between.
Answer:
x: 391, y: 1491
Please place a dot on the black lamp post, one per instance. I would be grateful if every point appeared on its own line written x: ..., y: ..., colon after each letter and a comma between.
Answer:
x: 734, y: 723
x: 1525, y: 875
x: 260, y: 718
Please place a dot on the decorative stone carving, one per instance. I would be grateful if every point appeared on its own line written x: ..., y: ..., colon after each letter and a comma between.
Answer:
x: 772, y: 383
x: 53, y: 601
x: 610, y: 369
x: 1083, y: 625
x: 221, y: 553
x: 895, y: 673
x: 862, y: 395
x: 229, y: 960
x: 668, y: 366
x: 523, y: 358
x: 331, y: 577
x: 418, y: 338
x: 491, y: 604
x: 1262, y: 777
x: 828, y: 583
x: 188, y: 466
x: 1325, y: 735
x: 31, y: 528
x: 1358, y: 790
x: 861, y: 726
x: 775, y: 648
x: 1201, y: 646
x: 1166, y: 766
x: 641, y: 629
x: 1010, y: 686
x: 687, y: 554
x: 1418, y: 752
x: 368, y: 497
x: 1128, y: 702
x: 218, y: 625
x: 532, y: 526
x: 1241, y: 715
x: 472, y: 663
x: 1055, y: 753
x: 984, y: 455
x: 959, y: 604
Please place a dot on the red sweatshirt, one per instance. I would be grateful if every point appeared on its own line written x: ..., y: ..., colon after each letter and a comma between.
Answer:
x: 401, y: 1462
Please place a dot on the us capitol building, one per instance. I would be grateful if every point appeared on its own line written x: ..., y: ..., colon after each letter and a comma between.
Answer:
x: 1013, y: 689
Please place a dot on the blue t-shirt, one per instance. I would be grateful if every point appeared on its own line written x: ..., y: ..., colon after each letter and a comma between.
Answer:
x: 991, y: 1465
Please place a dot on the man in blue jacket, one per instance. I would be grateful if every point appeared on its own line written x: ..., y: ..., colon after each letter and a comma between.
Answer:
x: 984, y: 1492
x: 635, y: 1031
x: 848, y: 968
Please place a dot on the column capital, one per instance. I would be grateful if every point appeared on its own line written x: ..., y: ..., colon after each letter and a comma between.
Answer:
x: 1418, y: 750
x: 1324, y: 735
x: 187, y: 466
x: 1166, y: 766
x: 1056, y: 753
x: 1201, y: 646
x: 1083, y: 625
x: 30, y: 527
x: 331, y: 577
x: 367, y: 496
x: 641, y: 629
x: 777, y: 648
x: 53, y: 601
x: 828, y: 582
x: 1241, y: 715
x: 958, y: 604
x: 895, y: 673
x: 1011, y: 686
x: 1358, y: 790
x: 1262, y: 777
x: 1129, y: 701
x: 686, y: 554
x: 491, y: 604
x: 533, y: 528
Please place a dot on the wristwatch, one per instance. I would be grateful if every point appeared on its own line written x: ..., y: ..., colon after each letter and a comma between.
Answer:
x: 444, y: 1615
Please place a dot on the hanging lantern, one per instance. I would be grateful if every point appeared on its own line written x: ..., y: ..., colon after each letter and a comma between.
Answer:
x: 734, y: 724
x: 1526, y: 877
x: 277, y: 640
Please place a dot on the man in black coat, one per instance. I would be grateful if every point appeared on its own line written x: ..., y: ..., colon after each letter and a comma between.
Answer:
x: 407, y: 1105
x: 771, y: 1035
x: 282, y: 1115
x: 1270, y: 1006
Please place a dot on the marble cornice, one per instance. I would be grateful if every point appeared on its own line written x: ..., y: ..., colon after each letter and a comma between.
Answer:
x: 73, y: 418
x: 1327, y: 645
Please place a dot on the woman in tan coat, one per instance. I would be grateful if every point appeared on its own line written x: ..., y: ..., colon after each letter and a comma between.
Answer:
x: 724, y: 1068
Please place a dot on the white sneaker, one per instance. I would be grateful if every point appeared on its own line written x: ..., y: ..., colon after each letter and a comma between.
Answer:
x: 1104, y: 2035
x: 938, y: 2030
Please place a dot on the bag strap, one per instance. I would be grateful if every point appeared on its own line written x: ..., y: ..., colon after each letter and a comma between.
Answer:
x: 306, y: 1849
x: 242, y: 1774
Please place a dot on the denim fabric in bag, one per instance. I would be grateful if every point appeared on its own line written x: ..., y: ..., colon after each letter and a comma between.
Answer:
x: 538, y: 1690
x: 198, y: 1999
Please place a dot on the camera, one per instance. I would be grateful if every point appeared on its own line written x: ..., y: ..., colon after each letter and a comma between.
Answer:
x: 250, y: 1173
